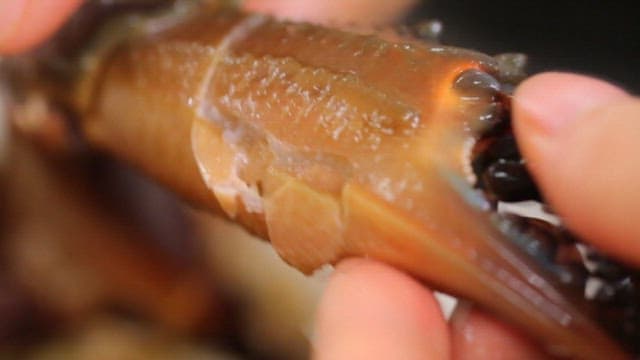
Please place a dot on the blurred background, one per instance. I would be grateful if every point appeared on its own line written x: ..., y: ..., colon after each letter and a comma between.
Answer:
x: 591, y: 37
x: 97, y: 262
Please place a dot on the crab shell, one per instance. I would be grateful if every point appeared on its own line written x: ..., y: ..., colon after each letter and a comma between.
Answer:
x: 329, y: 144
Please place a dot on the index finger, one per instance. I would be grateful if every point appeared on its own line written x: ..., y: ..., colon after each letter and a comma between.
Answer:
x: 580, y: 137
x: 361, y: 12
x: 25, y: 23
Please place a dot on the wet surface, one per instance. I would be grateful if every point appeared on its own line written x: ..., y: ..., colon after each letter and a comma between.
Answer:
x: 244, y: 123
x: 610, y: 287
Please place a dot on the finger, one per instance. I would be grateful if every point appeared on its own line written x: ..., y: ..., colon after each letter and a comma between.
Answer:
x: 580, y: 137
x: 372, y: 311
x: 476, y: 336
x: 337, y: 12
x: 25, y: 23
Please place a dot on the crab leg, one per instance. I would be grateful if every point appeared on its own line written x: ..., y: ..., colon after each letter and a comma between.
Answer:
x: 330, y: 144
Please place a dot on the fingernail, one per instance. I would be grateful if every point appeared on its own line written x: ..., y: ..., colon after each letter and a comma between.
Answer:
x: 550, y: 101
x: 10, y: 13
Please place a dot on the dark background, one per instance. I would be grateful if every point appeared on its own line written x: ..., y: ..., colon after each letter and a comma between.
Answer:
x: 600, y: 38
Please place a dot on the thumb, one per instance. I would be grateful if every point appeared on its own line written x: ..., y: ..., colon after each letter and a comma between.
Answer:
x: 581, y: 138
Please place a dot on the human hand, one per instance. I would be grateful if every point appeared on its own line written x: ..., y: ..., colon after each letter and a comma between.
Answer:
x: 343, y: 12
x: 373, y: 311
x: 580, y: 136
x: 25, y: 23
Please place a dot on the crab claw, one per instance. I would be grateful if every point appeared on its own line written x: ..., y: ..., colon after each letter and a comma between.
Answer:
x: 333, y: 144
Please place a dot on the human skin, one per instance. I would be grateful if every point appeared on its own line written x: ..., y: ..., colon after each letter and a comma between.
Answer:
x: 341, y: 12
x: 25, y: 23
x: 579, y: 135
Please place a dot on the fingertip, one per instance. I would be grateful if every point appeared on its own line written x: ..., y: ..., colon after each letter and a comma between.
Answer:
x: 372, y: 311
x: 579, y: 136
x: 26, y: 23
x: 345, y: 12
x: 476, y: 335
x: 597, y: 181
x: 546, y: 102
